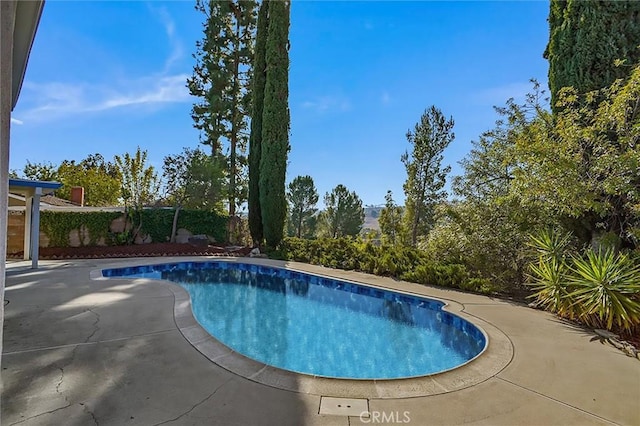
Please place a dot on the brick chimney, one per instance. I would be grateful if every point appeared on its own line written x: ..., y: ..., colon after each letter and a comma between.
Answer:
x: 77, y: 195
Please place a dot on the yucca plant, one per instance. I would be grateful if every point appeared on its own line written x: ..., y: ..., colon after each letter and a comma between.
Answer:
x: 550, y: 244
x: 606, y: 289
x: 549, y: 275
x: 550, y: 285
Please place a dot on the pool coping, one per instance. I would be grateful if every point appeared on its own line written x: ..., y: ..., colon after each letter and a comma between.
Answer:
x: 496, y: 356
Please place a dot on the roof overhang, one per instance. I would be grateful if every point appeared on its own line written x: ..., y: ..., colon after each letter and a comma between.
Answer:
x: 26, y: 24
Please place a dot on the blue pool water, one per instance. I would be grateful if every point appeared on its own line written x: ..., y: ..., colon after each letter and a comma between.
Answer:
x: 317, y: 325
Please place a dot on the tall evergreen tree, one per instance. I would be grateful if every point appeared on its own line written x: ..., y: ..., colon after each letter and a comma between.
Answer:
x: 586, y: 38
x: 275, y: 124
x: 303, y: 197
x: 344, y: 215
x: 221, y: 80
x: 390, y: 220
x: 425, y: 175
x: 255, y: 138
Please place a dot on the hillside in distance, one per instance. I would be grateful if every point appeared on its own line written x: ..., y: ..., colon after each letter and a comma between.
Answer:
x: 371, y: 215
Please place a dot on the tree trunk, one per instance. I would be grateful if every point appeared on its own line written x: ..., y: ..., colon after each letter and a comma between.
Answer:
x: 417, y: 209
x: 233, y: 139
x: 174, y: 225
x: 300, y: 222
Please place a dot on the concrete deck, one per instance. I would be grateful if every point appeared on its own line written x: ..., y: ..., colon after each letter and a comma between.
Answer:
x: 81, y: 351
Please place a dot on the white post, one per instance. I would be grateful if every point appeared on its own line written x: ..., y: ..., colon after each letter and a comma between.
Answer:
x: 7, y: 23
x: 28, y: 213
x: 35, y: 228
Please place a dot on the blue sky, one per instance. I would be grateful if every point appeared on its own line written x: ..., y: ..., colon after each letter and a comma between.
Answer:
x: 109, y: 76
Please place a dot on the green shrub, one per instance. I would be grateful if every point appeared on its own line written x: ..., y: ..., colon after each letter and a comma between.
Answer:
x: 407, y: 263
x: 480, y: 285
x: 452, y: 275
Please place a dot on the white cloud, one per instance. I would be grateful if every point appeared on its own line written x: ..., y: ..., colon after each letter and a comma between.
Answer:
x: 324, y: 104
x: 170, y: 29
x: 16, y: 121
x: 164, y: 90
x: 385, y: 98
x: 56, y: 100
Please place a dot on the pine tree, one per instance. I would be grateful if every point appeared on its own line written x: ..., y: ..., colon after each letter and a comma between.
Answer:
x: 586, y: 38
x: 255, y: 139
x: 275, y: 124
x: 390, y: 220
x: 221, y: 80
x: 344, y: 215
x: 303, y: 197
x: 425, y: 175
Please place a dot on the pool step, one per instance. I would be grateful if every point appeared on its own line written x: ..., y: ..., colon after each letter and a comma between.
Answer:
x: 344, y: 407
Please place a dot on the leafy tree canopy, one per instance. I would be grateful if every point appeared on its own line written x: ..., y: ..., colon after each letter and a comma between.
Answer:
x: 100, y: 179
x: 584, y: 164
x: 41, y: 171
x: 193, y: 180
x: 139, y: 180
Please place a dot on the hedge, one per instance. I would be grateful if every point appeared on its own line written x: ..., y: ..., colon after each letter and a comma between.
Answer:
x: 155, y: 222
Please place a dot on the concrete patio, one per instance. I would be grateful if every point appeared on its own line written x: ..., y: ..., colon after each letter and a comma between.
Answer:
x: 80, y: 351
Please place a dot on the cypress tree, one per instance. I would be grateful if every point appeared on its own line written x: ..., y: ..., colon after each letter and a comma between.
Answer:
x: 275, y: 124
x: 255, y: 138
x: 585, y: 40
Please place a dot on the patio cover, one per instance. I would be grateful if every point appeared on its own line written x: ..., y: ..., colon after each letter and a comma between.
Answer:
x: 32, y: 190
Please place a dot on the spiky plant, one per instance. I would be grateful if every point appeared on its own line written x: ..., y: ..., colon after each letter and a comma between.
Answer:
x: 549, y: 244
x: 606, y: 289
x: 549, y: 274
x: 550, y: 286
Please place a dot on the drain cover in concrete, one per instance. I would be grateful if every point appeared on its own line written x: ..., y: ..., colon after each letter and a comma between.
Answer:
x: 344, y: 406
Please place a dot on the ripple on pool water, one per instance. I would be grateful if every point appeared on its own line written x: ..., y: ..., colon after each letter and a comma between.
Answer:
x: 321, y: 326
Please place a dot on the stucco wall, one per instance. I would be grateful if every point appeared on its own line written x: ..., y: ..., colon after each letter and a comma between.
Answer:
x: 15, y: 232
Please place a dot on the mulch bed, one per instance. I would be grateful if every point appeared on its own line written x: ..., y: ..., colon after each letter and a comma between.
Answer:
x: 136, y: 250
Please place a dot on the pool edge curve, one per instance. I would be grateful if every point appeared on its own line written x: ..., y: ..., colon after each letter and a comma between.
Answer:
x: 496, y: 355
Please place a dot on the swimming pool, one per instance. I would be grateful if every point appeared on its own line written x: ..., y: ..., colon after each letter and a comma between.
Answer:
x: 319, y: 326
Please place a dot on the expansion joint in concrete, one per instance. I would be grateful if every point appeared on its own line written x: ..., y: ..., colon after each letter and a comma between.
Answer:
x: 556, y: 400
